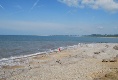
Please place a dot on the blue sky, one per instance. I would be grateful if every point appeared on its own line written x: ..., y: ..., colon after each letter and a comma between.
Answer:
x: 60, y: 17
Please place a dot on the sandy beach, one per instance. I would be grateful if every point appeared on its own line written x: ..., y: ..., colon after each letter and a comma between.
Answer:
x: 95, y: 61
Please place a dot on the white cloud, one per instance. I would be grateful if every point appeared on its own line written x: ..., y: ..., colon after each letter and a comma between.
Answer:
x: 109, y: 5
x: 1, y: 7
x: 73, y: 3
x: 34, y: 5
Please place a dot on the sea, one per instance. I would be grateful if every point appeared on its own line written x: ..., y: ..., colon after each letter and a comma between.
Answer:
x: 21, y: 45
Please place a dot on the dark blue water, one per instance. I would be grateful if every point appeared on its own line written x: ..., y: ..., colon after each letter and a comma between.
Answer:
x: 22, y: 45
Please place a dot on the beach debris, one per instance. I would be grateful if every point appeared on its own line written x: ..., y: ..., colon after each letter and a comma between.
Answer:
x: 96, y: 52
x: 112, y: 76
x: 105, y: 60
x: 115, y: 47
x: 109, y: 60
x: 108, y: 76
x: 112, y: 60
x: 114, y: 68
x: 58, y: 61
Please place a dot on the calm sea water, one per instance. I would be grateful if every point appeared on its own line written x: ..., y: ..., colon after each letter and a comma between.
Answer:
x: 23, y: 45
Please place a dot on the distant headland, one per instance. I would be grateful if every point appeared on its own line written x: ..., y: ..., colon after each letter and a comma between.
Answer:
x: 91, y: 35
x: 102, y: 35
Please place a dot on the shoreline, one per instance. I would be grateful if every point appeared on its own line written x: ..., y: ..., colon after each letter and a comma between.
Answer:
x: 12, y: 58
x: 71, y: 63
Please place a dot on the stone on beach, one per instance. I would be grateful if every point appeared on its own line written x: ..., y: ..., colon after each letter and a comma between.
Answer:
x: 75, y: 63
x: 115, y: 47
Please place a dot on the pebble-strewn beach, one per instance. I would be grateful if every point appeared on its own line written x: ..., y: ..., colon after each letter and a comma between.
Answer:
x: 95, y: 61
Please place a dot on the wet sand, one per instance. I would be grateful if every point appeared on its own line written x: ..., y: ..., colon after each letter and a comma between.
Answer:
x: 95, y: 61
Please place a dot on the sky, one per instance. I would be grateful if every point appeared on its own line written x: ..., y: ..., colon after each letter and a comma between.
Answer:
x: 58, y: 17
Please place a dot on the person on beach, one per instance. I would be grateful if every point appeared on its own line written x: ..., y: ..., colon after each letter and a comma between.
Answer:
x: 59, y: 50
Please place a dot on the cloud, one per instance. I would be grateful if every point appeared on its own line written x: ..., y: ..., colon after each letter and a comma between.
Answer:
x: 73, y: 3
x: 1, y: 7
x: 108, y: 5
x: 34, y: 5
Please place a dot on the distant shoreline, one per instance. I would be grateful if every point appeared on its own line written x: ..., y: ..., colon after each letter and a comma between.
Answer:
x: 101, y: 36
x: 108, y: 37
